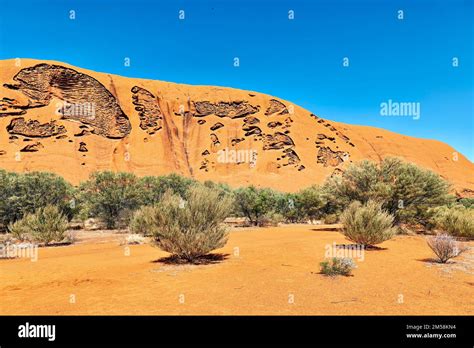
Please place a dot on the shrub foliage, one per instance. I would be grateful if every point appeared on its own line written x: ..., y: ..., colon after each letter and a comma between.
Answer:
x: 456, y: 221
x: 21, y: 194
x: 406, y: 191
x: 367, y: 224
x: 46, y: 225
x: 444, y: 246
x: 338, y: 266
x: 188, y: 228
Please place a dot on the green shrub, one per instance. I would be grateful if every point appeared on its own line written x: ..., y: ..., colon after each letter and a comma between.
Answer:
x: 406, y: 191
x: 331, y: 219
x: 367, y: 224
x: 444, y: 246
x: 154, y: 187
x: 189, y: 228
x: 46, y: 225
x: 21, y: 194
x: 337, y: 266
x: 271, y: 219
x: 467, y: 202
x: 310, y: 202
x: 143, y: 221
x: 111, y: 196
x: 456, y: 221
x: 255, y: 204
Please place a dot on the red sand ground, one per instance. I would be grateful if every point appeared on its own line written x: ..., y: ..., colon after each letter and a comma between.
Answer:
x: 274, y: 265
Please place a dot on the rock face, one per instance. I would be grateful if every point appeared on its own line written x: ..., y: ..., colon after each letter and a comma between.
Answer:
x: 86, y: 99
x: 73, y: 121
x: 148, y: 108
x: 234, y: 109
x: 34, y: 129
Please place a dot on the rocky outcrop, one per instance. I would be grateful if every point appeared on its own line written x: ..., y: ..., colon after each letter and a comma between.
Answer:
x: 252, y: 130
x: 215, y: 140
x: 276, y: 107
x: 32, y: 147
x: 148, y: 108
x: 235, y: 109
x: 34, y: 129
x: 216, y: 126
x: 274, y: 124
x: 291, y: 156
x: 235, y: 141
x: 86, y: 99
x: 277, y: 141
x: 83, y: 147
x: 249, y: 120
x: 328, y: 157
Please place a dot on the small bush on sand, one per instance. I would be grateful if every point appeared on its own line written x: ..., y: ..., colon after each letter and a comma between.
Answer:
x: 406, y: 191
x: 338, y: 266
x: 46, y: 225
x: 142, y: 221
x: 255, y: 203
x: 271, y: 219
x: 21, y: 194
x: 367, y: 224
x: 193, y: 228
x: 111, y: 196
x: 331, y: 219
x: 154, y: 187
x: 456, y: 221
x: 444, y: 246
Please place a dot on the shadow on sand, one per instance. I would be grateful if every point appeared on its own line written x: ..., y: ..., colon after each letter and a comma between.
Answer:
x: 202, y: 260
x: 356, y: 246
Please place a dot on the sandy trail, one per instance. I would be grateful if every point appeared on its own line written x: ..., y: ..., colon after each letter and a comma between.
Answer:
x: 268, y: 271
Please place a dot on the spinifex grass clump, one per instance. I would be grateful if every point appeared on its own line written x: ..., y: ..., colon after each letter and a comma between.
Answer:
x: 367, y: 224
x: 444, y: 246
x: 189, y: 228
x: 456, y: 221
x: 46, y: 225
x: 338, y: 266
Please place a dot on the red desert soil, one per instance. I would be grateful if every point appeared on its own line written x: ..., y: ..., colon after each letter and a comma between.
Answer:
x: 273, y: 266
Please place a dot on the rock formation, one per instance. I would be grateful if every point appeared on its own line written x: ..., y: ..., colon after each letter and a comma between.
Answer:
x: 153, y: 128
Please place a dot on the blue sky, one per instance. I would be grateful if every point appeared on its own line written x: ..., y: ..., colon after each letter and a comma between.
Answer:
x: 299, y: 60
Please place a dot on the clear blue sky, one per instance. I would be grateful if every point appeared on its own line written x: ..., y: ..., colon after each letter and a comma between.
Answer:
x: 299, y: 60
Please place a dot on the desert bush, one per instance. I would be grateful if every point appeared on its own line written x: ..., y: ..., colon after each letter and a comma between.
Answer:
x: 143, y: 221
x: 456, y: 221
x: 21, y: 194
x: 271, y: 219
x: 444, y: 246
x: 46, y: 225
x: 255, y: 204
x: 467, y: 202
x: 286, y: 207
x: 310, y: 202
x: 367, y: 224
x: 331, y: 219
x: 406, y: 191
x: 190, y: 228
x: 111, y: 196
x: 304, y: 205
x: 154, y: 187
x: 338, y: 266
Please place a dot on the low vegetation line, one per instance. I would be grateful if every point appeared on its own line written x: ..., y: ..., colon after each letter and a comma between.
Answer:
x: 372, y: 201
